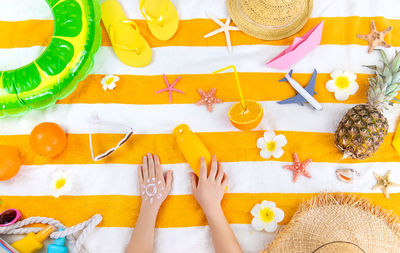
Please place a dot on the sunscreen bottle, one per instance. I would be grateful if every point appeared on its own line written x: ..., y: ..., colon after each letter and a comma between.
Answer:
x: 191, y: 147
x: 32, y: 242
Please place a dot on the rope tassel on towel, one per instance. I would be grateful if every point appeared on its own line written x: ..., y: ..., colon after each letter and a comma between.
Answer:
x: 85, y: 228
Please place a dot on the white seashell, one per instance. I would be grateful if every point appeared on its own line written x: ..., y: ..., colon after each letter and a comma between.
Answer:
x: 347, y: 175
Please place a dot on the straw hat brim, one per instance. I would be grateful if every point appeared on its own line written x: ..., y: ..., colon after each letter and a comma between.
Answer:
x: 331, y: 223
x: 249, y: 26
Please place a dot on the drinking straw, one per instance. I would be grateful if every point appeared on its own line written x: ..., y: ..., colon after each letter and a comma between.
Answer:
x: 237, y: 83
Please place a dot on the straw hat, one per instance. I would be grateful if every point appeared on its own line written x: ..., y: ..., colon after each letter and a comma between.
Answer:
x: 333, y: 223
x: 270, y: 19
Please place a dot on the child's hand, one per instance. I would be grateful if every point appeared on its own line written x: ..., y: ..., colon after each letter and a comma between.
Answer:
x: 210, y: 190
x: 153, y: 186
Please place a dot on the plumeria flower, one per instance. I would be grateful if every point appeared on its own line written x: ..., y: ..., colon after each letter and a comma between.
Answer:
x: 271, y: 145
x: 61, y: 182
x: 109, y: 82
x: 343, y: 84
x: 266, y: 216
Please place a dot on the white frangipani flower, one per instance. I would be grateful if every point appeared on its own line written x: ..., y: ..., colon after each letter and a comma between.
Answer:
x: 271, y: 145
x: 343, y: 84
x: 266, y: 216
x: 61, y: 183
x: 109, y: 82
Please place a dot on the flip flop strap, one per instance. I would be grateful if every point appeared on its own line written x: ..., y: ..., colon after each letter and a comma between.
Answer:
x: 137, y: 46
x: 160, y: 20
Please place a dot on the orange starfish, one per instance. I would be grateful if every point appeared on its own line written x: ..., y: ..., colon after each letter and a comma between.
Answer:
x: 208, y: 99
x: 375, y: 38
x: 298, y: 168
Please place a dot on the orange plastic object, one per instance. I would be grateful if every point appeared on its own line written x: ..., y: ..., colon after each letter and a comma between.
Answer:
x: 246, y: 119
x: 10, y: 162
x: 48, y: 139
x: 32, y: 242
x: 191, y: 147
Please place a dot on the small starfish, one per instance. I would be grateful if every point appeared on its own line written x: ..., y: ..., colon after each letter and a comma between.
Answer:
x: 384, y: 183
x: 375, y: 38
x: 298, y: 168
x: 224, y: 28
x: 170, y: 87
x: 208, y: 99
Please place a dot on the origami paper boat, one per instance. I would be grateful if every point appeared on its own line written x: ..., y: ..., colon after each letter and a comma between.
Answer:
x: 300, y: 47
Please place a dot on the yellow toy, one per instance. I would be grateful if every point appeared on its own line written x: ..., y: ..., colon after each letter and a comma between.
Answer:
x: 191, y: 147
x: 130, y: 47
x: 162, y: 18
x: 32, y: 242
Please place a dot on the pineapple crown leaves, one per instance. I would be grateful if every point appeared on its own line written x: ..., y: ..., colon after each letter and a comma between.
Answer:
x: 384, y: 87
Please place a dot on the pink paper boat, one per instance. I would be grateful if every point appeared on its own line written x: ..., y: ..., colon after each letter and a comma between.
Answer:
x: 300, y: 47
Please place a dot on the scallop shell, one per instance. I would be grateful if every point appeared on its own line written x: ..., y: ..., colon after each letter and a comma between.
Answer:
x: 347, y: 175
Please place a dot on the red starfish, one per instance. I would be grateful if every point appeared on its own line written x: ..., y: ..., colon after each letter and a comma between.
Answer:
x: 298, y: 168
x: 170, y: 87
x: 208, y: 99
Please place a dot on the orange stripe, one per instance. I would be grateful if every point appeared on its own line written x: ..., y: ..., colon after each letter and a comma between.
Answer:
x: 177, y: 211
x: 132, y: 89
x: 228, y: 146
x: 337, y: 30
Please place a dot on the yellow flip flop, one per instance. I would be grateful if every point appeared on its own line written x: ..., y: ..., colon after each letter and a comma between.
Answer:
x: 162, y: 18
x: 130, y: 47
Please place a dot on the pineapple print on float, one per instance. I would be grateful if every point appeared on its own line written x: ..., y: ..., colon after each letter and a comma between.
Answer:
x: 364, y: 127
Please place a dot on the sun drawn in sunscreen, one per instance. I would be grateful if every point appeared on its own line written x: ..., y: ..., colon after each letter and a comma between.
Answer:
x: 152, y: 190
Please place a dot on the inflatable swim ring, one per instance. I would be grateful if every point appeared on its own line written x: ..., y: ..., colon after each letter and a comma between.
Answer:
x: 57, y: 71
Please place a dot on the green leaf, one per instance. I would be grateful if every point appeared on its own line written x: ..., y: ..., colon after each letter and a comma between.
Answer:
x: 396, y: 77
x: 395, y: 64
x: 373, y: 67
x: 397, y: 100
x: 383, y: 56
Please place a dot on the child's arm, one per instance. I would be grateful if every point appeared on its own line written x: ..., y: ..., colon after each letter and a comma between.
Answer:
x: 209, y: 192
x: 154, y: 188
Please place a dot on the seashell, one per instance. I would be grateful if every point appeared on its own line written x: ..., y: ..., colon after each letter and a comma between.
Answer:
x: 347, y: 175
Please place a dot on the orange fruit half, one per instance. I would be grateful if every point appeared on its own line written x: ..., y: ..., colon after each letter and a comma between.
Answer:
x: 10, y: 162
x: 246, y: 119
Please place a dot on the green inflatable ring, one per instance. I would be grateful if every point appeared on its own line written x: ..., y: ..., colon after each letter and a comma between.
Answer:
x: 66, y: 61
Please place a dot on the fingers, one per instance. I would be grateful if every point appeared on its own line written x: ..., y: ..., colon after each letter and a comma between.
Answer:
x: 214, y: 168
x: 220, y: 174
x: 225, y: 181
x: 203, y: 168
x: 158, y: 169
x: 168, y: 181
x: 193, y: 181
x: 140, y: 174
x: 150, y: 164
x: 145, y: 169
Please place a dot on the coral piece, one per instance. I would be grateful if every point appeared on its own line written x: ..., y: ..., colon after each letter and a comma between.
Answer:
x: 298, y: 168
x: 224, y: 28
x: 170, y: 88
x: 208, y: 99
x: 375, y: 38
x: 384, y: 183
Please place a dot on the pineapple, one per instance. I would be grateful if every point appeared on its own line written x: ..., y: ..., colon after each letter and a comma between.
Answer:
x: 364, y: 127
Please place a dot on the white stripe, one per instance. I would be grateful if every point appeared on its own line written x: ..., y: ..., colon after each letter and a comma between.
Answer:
x: 205, y: 60
x: 177, y: 240
x: 149, y: 119
x: 12, y: 10
x: 245, y: 177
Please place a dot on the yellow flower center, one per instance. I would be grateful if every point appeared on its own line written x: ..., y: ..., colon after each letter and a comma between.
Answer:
x: 266, y: 215
x: 271, y: 146
x: 60, y: 183
x: 342, y: 82
x: 109, y: 80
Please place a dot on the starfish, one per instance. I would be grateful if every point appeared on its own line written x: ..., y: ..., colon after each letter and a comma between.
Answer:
x: 298, y: 168
x: 224, y: 28
x: 384, y: 183
x: 375, y: 38
x: 208, y: 99
x: 170, y: 87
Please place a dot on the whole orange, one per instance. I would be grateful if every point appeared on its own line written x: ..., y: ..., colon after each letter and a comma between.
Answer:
x: 10, y: 162
x: 48, y: 139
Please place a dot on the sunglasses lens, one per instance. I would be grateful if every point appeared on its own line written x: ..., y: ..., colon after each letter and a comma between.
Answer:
x: 7, y: 217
